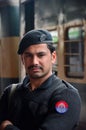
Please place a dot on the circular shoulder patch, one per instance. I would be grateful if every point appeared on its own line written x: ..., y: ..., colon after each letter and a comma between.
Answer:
x: 61, y: 106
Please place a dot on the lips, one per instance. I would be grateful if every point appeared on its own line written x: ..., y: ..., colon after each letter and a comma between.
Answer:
x: 35, y: 69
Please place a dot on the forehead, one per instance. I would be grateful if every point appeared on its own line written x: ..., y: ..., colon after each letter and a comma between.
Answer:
x: 37, y: 48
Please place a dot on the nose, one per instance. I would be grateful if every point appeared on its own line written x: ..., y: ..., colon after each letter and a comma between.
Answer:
x: 35, y: 60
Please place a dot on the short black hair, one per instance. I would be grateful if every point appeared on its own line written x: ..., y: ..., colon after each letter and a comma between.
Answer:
x: 51, y: 47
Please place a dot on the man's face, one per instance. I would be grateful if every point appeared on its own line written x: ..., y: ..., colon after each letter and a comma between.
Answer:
x: 38, y: 61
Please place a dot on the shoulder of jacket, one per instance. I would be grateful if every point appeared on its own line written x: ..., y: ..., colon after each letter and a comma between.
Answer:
x: 70, y: 86
x: 13, y: 88
x: 59, y: 85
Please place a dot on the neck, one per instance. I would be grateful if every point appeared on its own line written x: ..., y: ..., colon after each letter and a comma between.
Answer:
x: 35, y: 83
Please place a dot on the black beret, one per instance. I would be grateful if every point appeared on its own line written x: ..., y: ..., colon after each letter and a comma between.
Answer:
x: 34, y: 37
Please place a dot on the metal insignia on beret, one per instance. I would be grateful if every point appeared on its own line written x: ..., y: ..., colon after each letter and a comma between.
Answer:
x: 61, y: 106
x: 43, y: 37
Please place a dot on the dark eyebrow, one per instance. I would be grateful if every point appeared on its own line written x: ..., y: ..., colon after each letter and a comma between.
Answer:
x: 27, y: 53
x: 41, y: 52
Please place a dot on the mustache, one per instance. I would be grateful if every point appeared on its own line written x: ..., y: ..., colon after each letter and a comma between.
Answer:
x: 34, y: 66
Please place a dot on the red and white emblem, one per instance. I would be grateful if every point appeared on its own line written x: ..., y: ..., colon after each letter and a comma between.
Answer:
x: 61, y: 106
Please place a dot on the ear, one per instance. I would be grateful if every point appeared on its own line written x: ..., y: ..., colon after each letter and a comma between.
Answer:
x: 54, y: 57
x: 22, y: 59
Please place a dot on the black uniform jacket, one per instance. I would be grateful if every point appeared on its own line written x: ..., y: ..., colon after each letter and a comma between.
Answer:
x: 55, y: 105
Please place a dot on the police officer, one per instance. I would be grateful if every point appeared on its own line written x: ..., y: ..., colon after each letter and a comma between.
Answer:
x: 42, y: 101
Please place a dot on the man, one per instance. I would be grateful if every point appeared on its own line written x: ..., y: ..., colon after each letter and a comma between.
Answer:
x: 42, y: 101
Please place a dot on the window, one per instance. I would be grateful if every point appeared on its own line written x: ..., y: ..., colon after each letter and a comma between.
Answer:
x: 54, y: 34
x: 74, y: 52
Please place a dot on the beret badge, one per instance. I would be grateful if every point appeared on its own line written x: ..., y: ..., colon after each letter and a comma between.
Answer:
x: 42, y: 37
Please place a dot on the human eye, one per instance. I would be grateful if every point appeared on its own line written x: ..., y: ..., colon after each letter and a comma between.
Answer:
x: 28, y: 55
x: 41, y: 54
